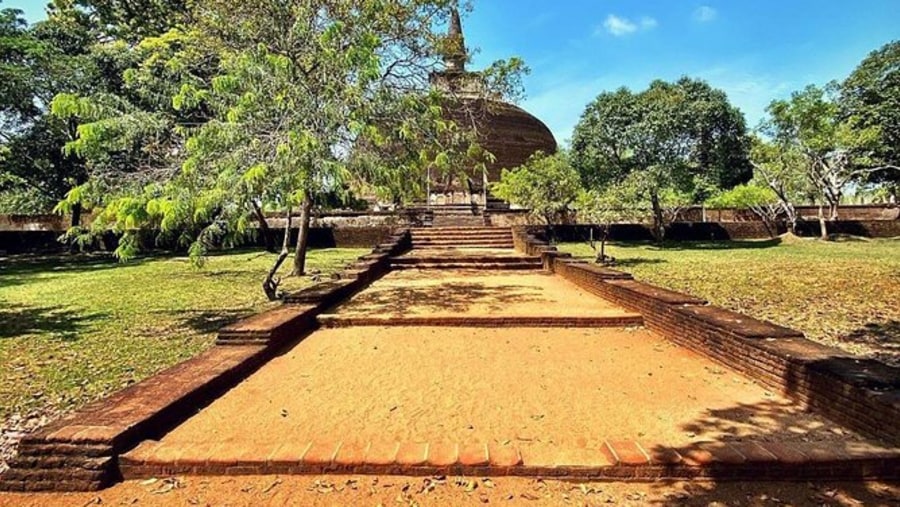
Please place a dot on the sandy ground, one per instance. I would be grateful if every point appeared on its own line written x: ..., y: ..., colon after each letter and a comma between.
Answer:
x: 538, y: 389
x: 452, y: 491
x: 477, y: 293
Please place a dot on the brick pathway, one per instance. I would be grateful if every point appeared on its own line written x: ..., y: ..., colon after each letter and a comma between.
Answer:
x: 519, y: 400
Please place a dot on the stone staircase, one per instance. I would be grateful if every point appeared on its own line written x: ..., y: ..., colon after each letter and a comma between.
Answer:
x: 438, y: 238
x: 486, y: 262
x: 458, y: 215
x: 457, y: 247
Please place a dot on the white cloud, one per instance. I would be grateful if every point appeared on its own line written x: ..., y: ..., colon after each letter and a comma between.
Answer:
x: 647, y: 23
x: 705, y: 14
x: 619, y: 26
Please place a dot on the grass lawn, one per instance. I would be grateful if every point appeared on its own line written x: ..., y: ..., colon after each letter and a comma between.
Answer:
x: 73, y: 329
x: 845, y: 294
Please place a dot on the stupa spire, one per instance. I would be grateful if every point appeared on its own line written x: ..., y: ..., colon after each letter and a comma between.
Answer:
x: 455, y: 59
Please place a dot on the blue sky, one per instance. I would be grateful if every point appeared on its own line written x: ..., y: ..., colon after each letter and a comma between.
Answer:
x: 754, y: 50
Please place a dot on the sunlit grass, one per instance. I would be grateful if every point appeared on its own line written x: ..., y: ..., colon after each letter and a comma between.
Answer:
x: 840, y: 293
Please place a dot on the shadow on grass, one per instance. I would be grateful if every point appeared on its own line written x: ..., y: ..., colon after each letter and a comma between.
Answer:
x: 883, y: 337
x: 208, y: 321
x: 701, y: 245
x: 21, y: 269
x: 19, y: 320
x: 636, y: 261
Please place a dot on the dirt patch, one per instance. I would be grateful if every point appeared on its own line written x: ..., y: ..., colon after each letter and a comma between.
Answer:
x: 538, y: 389
x: 451, y: 491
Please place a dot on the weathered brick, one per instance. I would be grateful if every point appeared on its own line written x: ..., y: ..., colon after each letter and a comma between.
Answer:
x: 412, y: 454
x: 351, y: 455
x: 474, y: 455
x: 627, y: 452
x: 443, y: 454
x: 382, y: 453
x: 786, y: 453
x: 504, y: 456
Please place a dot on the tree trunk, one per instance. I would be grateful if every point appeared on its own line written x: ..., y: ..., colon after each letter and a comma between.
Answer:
x: 833, y: 211
x: 270, y: 285
x: 264, y: 228
x: 823, y: 226
x: 302, y: 237
x: 77, y: 208
x: 604, y: 235
x: 791, y: 217
x: 659, y: 228
x: 76, y: 214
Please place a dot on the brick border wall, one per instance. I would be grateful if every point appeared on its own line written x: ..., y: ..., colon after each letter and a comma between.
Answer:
x: 613, y: 460
x: 862, y: 394
x: 80, y: 451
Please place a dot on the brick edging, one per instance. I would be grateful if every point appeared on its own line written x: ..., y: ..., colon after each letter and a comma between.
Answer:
x: 338, y: 320
x: 613, y: 460
x: 80, y: 451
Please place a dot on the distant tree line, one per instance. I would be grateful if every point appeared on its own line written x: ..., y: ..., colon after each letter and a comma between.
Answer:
x: 648, y: 154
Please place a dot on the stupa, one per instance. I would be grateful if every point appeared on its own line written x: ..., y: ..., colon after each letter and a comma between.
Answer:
x: 507, y: 131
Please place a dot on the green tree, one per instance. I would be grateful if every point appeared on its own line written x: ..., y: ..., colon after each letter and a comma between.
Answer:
x: 871, y: 94
x: 607, y: 206
x: 546, y: 185
x: 36, y: 63
x: 835, y: 150
x: 272, y: 102
x: 757, y: 197
x: 782, y: 170
x: 675, y: 143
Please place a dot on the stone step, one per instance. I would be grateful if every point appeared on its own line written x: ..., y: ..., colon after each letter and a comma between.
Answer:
x: 456, y: 246
x: 459, y: 228
x: 457, y: 211
x: 489, y: 266
x: 460, y: 231
x: 482, y: 321
x: 458, y: 222
x: 470, y: 259
x: 461, y: 241
x: 451, y: 239
x: 462, y: 234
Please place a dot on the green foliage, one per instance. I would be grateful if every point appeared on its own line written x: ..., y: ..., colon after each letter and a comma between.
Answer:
x: 671, y: 144
x: 687, y: 127
x: 546, y: 185
x: 263, y: 104
x: 37, y: 62
x: 871, y: 94
x: 832, y: 150
x: 743, y: 197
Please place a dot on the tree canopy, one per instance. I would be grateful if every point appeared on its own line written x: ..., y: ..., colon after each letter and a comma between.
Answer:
x: 547, y: 185
x: 871, y: 95
x: 237, y: 107
x: 672, y: 143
